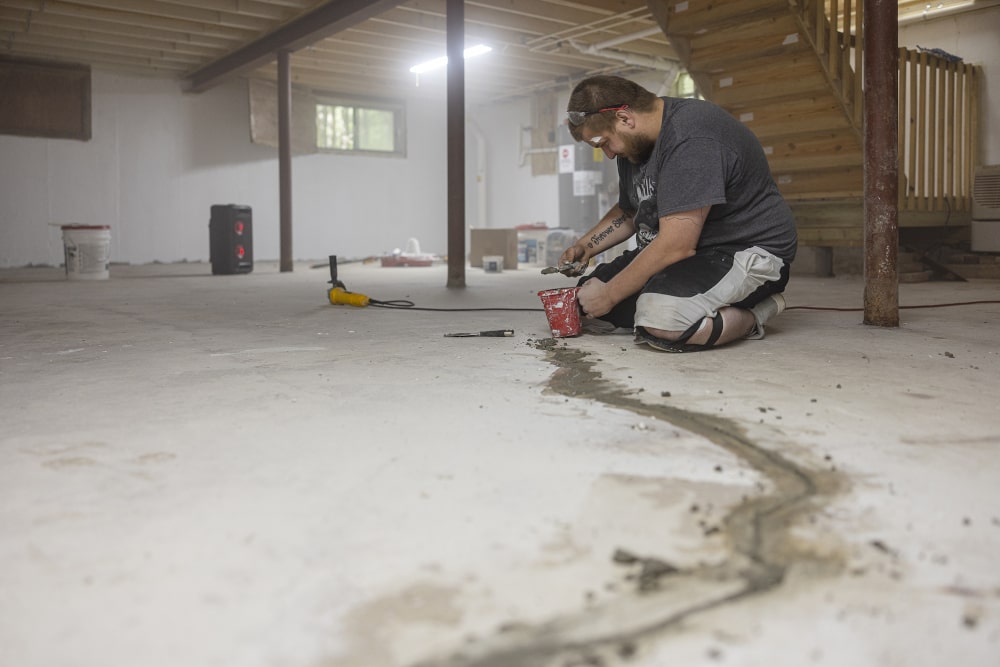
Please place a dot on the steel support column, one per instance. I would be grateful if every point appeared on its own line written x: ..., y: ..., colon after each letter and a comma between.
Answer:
x: 456, y: 142
x: 285, y: 157
x: 881, y: 183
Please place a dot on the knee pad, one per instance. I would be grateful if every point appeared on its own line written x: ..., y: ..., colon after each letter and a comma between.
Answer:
x: 681, y: 344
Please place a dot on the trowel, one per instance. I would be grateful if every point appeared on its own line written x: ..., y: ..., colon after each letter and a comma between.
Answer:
x: 567, y: 269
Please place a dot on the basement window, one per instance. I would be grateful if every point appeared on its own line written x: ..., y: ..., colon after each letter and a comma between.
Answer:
x: 371, y: 128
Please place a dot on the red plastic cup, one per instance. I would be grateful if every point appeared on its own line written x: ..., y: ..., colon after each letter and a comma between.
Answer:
x: 563, y: 311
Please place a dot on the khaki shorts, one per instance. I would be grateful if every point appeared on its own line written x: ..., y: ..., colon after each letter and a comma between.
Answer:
x: 680, y: 296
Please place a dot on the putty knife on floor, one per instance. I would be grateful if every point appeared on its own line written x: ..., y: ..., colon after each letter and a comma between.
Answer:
x: 499, y: 333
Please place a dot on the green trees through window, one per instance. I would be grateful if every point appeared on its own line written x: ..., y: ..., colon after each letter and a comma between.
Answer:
x: 369, y: 128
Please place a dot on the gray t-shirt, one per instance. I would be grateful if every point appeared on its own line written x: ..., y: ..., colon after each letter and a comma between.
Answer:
x: 705, y: 157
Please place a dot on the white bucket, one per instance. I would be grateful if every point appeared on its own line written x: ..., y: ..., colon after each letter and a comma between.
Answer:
x: 88, y: 251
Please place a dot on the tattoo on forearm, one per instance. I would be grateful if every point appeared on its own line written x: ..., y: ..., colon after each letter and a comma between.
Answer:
x: 596, y: 239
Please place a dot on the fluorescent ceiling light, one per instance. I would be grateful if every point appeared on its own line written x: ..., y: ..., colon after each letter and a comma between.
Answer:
x: 429, y: 65
x: 477, y: 50
x: 470, y: 52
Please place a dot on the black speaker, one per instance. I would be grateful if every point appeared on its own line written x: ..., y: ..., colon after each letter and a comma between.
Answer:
x: 230, y: 233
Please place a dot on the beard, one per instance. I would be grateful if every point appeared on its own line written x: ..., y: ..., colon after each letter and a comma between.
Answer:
x: 637, y: 149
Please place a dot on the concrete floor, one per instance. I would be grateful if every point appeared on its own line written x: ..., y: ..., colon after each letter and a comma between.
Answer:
x: 227, y: 470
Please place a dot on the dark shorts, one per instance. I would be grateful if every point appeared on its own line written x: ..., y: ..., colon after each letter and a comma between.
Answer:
x: 681, y: 295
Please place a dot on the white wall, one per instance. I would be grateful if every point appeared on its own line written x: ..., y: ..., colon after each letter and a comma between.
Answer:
x: 975, y: 36
x: 513, y: 196
x: 159, y: 159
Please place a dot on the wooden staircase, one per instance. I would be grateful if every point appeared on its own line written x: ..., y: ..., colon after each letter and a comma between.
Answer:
x: 786, y: 68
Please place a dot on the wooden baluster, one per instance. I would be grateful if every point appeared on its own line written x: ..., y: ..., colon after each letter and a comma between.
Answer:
x: 845, y: 67
x: 950, y: 130
x: 834, y: 39
x: 901, y: 127
x: 934, y: 124
x: 922, y: 148
x: 820, y: 32
x: 859, y: 66
x: 913, y: 108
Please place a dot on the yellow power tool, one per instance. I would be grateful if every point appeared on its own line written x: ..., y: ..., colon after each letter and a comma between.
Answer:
x: 340, y: 296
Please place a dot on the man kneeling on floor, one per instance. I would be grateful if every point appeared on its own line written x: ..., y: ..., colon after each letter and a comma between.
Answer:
x: 714, y: 237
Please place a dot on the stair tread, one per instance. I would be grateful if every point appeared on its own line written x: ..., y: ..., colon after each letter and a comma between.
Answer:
x: 915, y: 276
x: 975, y: 270
x: 694, y: 17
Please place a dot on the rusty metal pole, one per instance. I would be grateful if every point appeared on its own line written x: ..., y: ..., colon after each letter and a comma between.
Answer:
x: 455, y: 24
x: 881, y: 186
x: 285, y: 157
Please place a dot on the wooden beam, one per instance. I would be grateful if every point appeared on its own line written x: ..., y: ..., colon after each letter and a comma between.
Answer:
x: 59, y: 36
x: 265, y: 10
x: 149, y: 11
x: 123, y: 47
x: 130, y: 20
x: 142, y: 66
x: 318, y: 24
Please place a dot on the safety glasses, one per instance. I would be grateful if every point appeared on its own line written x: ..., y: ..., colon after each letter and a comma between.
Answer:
x: 577, y: 117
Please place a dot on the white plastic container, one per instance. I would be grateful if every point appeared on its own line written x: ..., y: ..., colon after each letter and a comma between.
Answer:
x: 88, y: 251
x: 493, y: 263
x: 986, y: 236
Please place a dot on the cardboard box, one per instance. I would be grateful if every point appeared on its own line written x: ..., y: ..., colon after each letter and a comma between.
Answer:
x: 501, y: 242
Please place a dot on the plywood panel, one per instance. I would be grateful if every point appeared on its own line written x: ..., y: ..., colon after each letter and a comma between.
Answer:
x: 45, y: 99
x: 264, y: 117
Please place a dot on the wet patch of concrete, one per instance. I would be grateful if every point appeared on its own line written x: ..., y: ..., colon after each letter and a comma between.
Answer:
x: 399, y: 617
x: 762, y: 547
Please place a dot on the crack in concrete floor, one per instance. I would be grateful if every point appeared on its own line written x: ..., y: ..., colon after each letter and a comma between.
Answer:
x: 758, y: 529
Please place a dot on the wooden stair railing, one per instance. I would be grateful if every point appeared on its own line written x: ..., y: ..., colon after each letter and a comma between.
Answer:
x: 752, y: 57
x: 789, y: 70
x: 938, y: 132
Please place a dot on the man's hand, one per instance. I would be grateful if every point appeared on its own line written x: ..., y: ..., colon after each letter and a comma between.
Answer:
x: 595, y: 298
x: 575, y: 254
